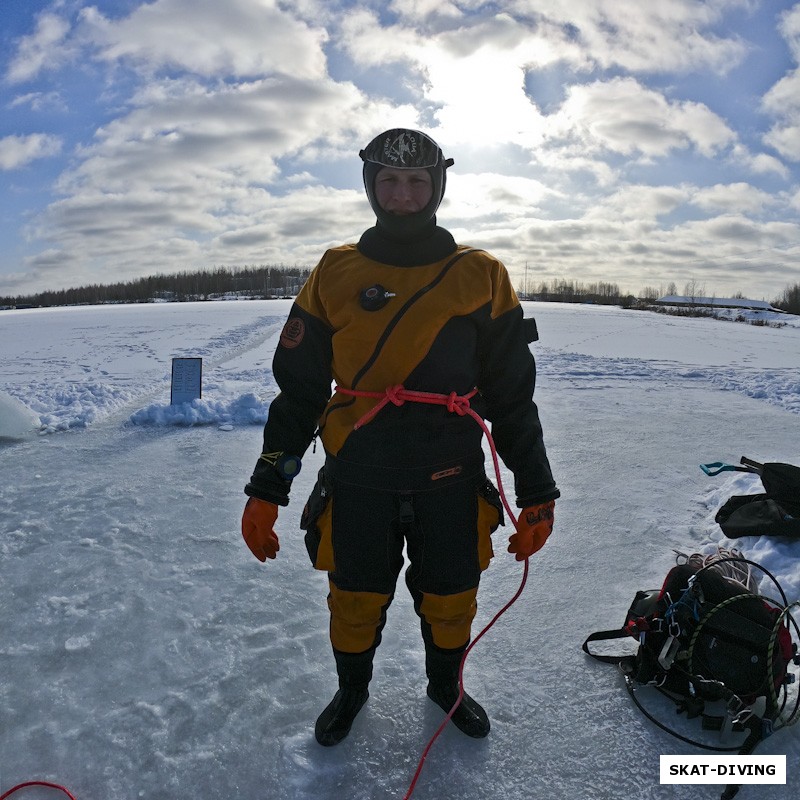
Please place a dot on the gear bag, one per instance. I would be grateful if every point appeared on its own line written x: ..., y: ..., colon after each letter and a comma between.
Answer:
x: 709, y: 640
x: 775, y: 512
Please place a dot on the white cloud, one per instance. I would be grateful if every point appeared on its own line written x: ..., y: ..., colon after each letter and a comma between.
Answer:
x: 474, y: 75
x: 241, y: 38
x: 40, y: 101
x: 485, y: 196
x: 425, y: 9
x: 786, y: 140
x: 733, y: 198
x: 671, y: 35
x: 17, y: 151
x: 193, y: 174
x: 623, y: 116
x: 758, y: 163
x: 41, y: 50
x: 235, y: 38
x: 783, y: 99
x: 635, y: 202
x: 790, y: 30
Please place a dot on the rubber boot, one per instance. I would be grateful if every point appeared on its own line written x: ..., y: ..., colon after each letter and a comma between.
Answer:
x: 355, y: 673
x: 443, y: 688
x: 335, y: 721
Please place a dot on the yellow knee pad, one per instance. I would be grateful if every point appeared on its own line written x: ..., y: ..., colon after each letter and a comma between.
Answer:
x: 355, y: 618
x: 450, y: 617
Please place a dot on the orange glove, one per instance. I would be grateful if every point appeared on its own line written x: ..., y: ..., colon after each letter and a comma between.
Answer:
x: 534, y: 525
x: 258, y: 523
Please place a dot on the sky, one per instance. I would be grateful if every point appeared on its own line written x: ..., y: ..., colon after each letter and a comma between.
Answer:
x: 638, y: 144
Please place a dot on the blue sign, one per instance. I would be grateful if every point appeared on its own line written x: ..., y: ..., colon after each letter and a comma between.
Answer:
x: 187, y: 378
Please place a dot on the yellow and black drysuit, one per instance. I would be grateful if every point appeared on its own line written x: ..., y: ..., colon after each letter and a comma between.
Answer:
x: 442, y: 318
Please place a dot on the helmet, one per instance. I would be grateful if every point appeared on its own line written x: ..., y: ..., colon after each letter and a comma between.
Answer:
x: 404, y: 148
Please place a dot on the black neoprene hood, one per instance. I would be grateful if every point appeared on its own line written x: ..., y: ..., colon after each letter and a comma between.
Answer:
x: 404, y: 148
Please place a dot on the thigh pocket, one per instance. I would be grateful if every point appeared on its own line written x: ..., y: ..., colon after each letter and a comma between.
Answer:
x: 316, y: 521
x: 490, y: 517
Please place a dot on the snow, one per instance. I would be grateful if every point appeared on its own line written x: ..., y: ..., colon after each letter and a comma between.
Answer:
x: 16, y: 419
x: 146, y: 654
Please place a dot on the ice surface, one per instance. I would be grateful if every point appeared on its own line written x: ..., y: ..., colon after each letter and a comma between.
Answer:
x: 146, y: 654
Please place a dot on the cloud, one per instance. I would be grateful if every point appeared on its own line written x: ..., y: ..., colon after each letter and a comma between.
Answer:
x: 473, y: 74
x: 486, y: 196
x: 647, y: 204
x: 421, y: 10
x: 623, y: 116
x: 17, y: 151
x: 234, y: 38
x: 672, y: 35
x: 733, y: 198
x: 783, y: 102
x: 41, y: 50
x: 790, y: 30
x: 758, y: 163
x: 783, y: 99
x: 40, y: 101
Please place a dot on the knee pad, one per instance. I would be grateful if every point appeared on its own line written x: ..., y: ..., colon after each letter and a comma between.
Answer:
x: 450, y: 617
x: 356, y: 618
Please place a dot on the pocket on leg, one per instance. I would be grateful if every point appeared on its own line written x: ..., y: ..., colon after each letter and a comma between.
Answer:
x: 490, y: 517
x: 316, y: 521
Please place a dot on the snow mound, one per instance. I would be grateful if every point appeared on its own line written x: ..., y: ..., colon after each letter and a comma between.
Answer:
x: 16, y: 420
x: 246, y: 409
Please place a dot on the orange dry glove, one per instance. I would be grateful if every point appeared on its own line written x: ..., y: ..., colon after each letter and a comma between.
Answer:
x: 534, y: 525
x: 258, y: 523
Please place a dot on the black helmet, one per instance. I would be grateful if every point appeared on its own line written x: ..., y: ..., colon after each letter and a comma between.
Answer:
x: 404, y: 148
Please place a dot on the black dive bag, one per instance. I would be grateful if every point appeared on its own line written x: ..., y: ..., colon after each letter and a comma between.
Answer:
x: 773, y: 512
x: 708, y: 640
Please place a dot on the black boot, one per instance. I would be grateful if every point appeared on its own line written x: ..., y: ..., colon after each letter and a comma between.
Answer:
x: 469, y: 717
x: 355, y: 673
x: 442, y: 668
x: 335, y: 721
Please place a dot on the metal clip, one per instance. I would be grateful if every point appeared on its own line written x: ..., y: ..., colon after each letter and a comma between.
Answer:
x: 669, y: 651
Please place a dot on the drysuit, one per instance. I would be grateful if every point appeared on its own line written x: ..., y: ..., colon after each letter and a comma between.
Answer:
x: 426, y: 315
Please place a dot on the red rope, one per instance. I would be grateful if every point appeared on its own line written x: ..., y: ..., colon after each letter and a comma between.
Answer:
x: 456, y: 404
x: 36, y: 783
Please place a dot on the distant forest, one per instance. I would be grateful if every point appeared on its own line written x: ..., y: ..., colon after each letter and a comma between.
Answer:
x: 246, y: 282
x: 271, y: 281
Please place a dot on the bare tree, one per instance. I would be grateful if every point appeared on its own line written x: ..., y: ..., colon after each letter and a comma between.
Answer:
x: 693, y: 290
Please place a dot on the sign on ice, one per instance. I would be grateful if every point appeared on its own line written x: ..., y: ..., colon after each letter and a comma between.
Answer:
x: 186, y: 380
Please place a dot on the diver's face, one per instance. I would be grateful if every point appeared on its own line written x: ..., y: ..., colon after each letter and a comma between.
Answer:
x: 403, y: 191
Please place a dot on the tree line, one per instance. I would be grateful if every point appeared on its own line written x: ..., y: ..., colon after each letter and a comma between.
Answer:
x: 280, y: 280
x: 564, y: 291
x: 788, y: 300
x: 262, y: 282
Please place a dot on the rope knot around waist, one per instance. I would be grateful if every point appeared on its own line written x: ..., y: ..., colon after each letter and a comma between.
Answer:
x: 398, y: 395
x: 453, y: 402
x: 394, y: 394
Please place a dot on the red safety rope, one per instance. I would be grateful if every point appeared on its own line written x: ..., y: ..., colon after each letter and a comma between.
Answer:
x: 456, y: 404
x: 36, y: 783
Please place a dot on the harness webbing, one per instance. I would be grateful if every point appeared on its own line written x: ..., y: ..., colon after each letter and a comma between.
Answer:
x: 453, y: 402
